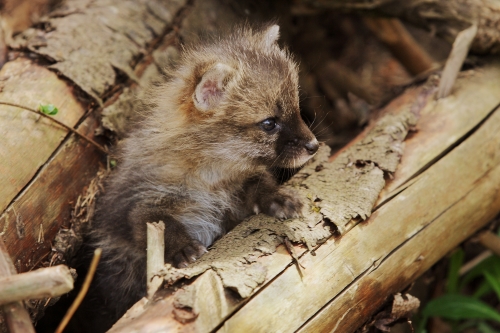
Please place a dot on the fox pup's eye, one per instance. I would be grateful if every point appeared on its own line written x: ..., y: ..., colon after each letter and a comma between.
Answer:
x: 268, y: 125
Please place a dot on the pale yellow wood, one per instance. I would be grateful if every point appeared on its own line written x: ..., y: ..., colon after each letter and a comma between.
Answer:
x: 490, y: 241
x: 211, y: 302
x: 456, y: 196
x: 41, y: 283
x: 28, y: 140
x: 394, y: 272
x: 445, y: 121
x: 365, y: 245
x: 46, y: 203
x: 16, y: 317
x: 155, y: 255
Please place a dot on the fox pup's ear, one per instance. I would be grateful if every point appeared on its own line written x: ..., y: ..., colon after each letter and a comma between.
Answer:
x: 211, y: 89
x: 271, y: 35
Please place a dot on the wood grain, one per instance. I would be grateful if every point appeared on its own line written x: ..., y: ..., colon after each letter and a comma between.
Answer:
x: 44, y: 206
x: 456, y: 196
x: 286, y: 301
x: 41, y: 283
x: 453, y: 199
x: 43, y: 170
x: 28, y: 140
x: 445, y: 122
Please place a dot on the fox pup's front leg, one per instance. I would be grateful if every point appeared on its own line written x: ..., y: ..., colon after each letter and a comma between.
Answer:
x: 181, y: 248
x: 266, y: 196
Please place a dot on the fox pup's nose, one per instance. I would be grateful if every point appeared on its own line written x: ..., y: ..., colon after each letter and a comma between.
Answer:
x: 312, y: 146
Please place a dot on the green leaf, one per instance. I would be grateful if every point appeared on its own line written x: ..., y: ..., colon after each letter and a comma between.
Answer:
x: 457, y: 307
x: 494, y: 282
x: 483, y: 289
x: 49, y: 109
x: 420, y: 323
x: 456, y: 261
x: 467, y: 324
x: 482, y: 327
x: 491, y: 264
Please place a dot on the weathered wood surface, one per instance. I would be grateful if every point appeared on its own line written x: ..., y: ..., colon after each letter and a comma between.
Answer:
x: 31, y: 217
x: 42, y: 283
x: 438, y: 132
x: 155, y: 255
x: 455, y: 197
x: 43, y: 169
x: 454, y: 192
x: 445, y: 18
x: 31, y: 222
x: 30, y: 140
x: 15, y: 317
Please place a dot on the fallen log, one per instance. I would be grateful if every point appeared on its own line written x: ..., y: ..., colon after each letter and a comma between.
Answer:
x: 445, y: 189
x: 230, y: 295
x: 46, y: 170
x: 48, y: 173
x: 445, y: 18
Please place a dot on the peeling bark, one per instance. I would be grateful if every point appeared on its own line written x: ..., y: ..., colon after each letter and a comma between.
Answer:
x: 114, y: 38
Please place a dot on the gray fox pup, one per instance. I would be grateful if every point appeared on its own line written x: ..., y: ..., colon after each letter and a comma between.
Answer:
x: 199, y: 159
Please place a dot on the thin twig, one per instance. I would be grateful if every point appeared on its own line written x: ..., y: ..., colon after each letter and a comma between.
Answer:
x: 474, y: 262
x: 71, y: 129
x: 85, y: 287
x: 455, y: 60
x: 291, y: 250
x: 490, y: 241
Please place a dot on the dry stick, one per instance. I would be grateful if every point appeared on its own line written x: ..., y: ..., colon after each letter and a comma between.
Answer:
x: 85, y: 287
x: 393, y: 34
x: 71, y: 129
x: 455, y: 60
x: 490, y: 241
x: 41, y: 283
x: 293, y: 253
x: 16, y: 316
x: 474, y: 262
x: 155, y: 256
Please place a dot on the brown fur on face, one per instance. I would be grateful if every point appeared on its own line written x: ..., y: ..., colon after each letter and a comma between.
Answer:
x: 199, y: 159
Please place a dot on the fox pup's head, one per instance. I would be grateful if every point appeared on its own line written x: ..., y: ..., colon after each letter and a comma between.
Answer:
x: 242, y: 100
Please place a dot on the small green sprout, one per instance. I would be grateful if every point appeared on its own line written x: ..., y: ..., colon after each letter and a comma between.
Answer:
x: 316, y: 209
x: 48, y: 109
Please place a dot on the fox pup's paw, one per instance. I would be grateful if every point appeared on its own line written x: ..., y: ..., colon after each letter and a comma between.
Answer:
x: 283, y: 204
x: 189, y: 254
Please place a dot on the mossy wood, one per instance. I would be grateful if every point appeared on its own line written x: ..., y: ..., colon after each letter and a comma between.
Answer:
x: 446, y: 189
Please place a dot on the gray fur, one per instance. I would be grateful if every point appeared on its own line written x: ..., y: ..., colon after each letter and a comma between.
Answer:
x: 199, y: 162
